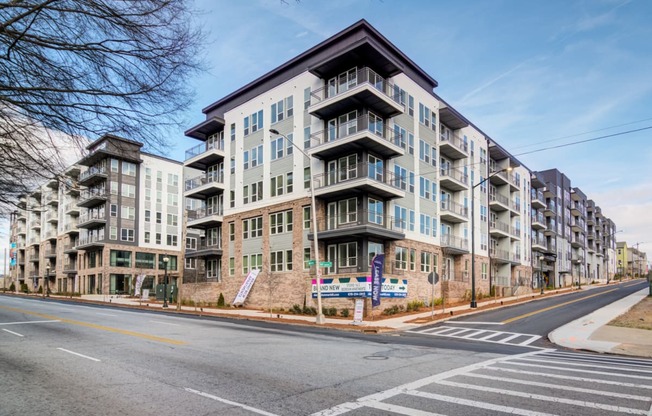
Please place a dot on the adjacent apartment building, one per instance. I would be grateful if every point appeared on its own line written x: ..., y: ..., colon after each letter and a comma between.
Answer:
x: 115, y: 214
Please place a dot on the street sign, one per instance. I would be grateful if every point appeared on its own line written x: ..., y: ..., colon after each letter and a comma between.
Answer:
x: 433, y: 278
x: 311, y: 262
x: 325, y: 264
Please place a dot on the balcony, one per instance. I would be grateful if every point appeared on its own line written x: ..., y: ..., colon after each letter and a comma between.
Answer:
x: 590, y: 247
x: 577, y: 241
x: 550, y: 210
x: 577, y: 208
x: 498, y: 229
x: 205, y: 186
x: 538, y: 221
x: 70, y: 248
x: 92, y: 219
x: 50, y: 252
x: 363, y: 87
x: 452, y: 146
x: 577, y: 225
x: 71, y: 208
x: 21, y: 230
x: 551, y: 228
x: 516, y: 208
x: 539, y: 243
x: 362, y: 266
x: 498, y: 202
x: 70, y: 228
x: 35, y: 224
x: 513, y: 181
x: 360, y: 224
x: 51, y: 235
x: 52, y: 198
x: 454, y: 245
x: 453, y: 212
x: 590, y: 235
x: 92, y: 197
x: 204, y: 218
x: 52, y: 217
x: 499, y: 256
x: 497, y: 175
x: 362, y: 133
x: 538, y: 201
x: 72, y: 190
x: 205, y: 249
x: 515, y: 233
x: 207, y: 154
x: 93, y: 175
x: 95, y: 240
x: 357, y: 179
x: 70, y: 268
x: 453, y: 179
x: 590, y: 219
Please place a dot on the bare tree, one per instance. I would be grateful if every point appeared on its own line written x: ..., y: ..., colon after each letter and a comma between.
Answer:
x: 77, y: 69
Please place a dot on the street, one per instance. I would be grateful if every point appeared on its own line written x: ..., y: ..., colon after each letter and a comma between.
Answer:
x: 62, y: 358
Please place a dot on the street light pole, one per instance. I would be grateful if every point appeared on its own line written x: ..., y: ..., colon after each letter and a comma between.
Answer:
x: 320, y: 319
x: 474, y: 302
x: 166, y: 259
x: 541, y: 258
x: 45, y: 279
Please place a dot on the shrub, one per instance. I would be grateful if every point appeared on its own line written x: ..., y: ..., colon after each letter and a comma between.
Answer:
x: 220, y: 301
x: 12, y: 287
x: 414, y: 305
x: 392, y: 310
x: 24, y: 288
x: 296, y: 309
x: 437, y: 301
x: 344, y: 313
x: 40, y: 289
x: 329, y: 311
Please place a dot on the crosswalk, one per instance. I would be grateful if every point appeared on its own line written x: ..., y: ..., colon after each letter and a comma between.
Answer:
x: 483, y: 335
x: 538, y: 383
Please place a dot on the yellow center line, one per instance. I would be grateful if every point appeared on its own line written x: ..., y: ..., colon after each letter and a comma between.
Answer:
x: 633, y: 284
x: 526, y: 315
x: 100, y: 327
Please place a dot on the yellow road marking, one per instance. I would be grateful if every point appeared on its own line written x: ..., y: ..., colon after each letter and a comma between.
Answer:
x: 526, y: 315
x: 100, y: 327
x: 633, y: 284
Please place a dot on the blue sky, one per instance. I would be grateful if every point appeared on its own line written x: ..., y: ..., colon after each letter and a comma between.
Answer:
x: 529, y: 74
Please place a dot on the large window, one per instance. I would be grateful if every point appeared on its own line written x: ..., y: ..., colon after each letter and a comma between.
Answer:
x: 253, y: 123
x: 252, y: 227
x: 401, y: 258
x: 172, y: 262
x: 128, y: 168
x: 347, y: 254
x: 251, y: 262
x: 281, y: 261
x: 120, y: 258
x: 426, y: 261
x: 282, y: 109
x: 145, y: 260
x: 280, y: 222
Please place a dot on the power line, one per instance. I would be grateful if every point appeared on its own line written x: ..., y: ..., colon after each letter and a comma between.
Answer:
x: 584, y: 141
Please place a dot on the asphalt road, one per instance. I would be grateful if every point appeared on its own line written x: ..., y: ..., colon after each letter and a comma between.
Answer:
x: 60, y: 358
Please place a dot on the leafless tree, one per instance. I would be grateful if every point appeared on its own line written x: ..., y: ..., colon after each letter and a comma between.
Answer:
x: 73, y: 70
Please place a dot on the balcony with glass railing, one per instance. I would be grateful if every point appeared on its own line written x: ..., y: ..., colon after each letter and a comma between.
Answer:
x: 92, y: 197
x: 499, y: 255
x: 539, y: 242
x: 92, y: 219
x: 359, y: 87
x: 205, y: 154
x: 71, y: 208
x: 452, y: 211
x: 577, y: 224
x: 515, y: 232
x: 499, y: 228
x: 498, y: 202
x: 550, y: 209
x: 212, y: 248
x: 516, y: 207
x: 93, y: 174
x: 452, y: 146
x: 551, y: 227
x: 205, y: 186
x: 538, y: 201
x: 95, y: 238
x: 538, y: 221
x: 360, y: 224
x: 208, y: 217
x: 453, y: 179
x: 360, y: 177
x: 365, y: 132
x: 454, y: 245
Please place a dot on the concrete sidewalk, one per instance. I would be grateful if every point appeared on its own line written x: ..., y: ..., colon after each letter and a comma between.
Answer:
x: 592, y: 333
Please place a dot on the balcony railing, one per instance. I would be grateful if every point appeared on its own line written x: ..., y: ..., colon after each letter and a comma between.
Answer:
x: 454, y: 173
x: 204, y: 147
x: 455, y: 208
x: 357, y: 171
x: 497, y: 253
x: 93, y: 170
x: 71, y: 206
x: 515, y: 231
x: 211, y: 177
x: 92, y: 238
x: 500, y: 226
x: 448, y: 240
x: 358, y: 218
x: 516, y: 206
x: 362, y: 76
x: 537, y: 195
x: 204, y: 212
x: 93, y: 193
x: 364, y: 123
x: 500, y: 198
x: 447, y: 137
x: 92, y: 215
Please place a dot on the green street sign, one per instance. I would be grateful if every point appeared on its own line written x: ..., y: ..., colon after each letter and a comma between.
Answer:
x: 325, y: 264
x: 311, y: 262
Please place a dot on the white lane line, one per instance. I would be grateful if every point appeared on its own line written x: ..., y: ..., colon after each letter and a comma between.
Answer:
x: 414, y: 385
x: 401, y: 410
x: 570, y: 357
x: 491, y: 335
x: 78, y: 354
x: 562, y: 377
x: 541, y: 397
x: 229, y: 402
x: 579, y: 370
x: 475, y: 323
x: 164, y: 323
x: 472, y: 334
x: 531, y: 340
x: 473, y: 403
x: 558, y: 387
x: 592, y: 365
x: 13, y: 333
x: 105, y: 314
x: 29, y: 322
x: 509, y: 338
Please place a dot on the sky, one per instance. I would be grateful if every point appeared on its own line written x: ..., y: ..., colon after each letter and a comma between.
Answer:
x: 531, y: 75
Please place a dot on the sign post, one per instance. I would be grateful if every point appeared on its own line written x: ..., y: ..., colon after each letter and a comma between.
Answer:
x: 433, y: 278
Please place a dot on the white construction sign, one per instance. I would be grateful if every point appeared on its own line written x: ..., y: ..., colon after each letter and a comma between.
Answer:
x: 246, y: 287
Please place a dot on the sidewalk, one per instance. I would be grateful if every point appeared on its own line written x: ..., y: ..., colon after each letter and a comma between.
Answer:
x: 593, y: 334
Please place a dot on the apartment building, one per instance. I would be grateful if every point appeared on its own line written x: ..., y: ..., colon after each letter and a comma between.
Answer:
x: 631, y: 261
x: 392, y: 165
x: 115, y: 214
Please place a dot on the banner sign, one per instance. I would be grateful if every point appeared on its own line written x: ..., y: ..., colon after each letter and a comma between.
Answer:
x: 359, y: 287
x: 376, y: 278
x: 139, y: 283
x: 358, y: 311
x: 12, y: 255
x: 246, y: 287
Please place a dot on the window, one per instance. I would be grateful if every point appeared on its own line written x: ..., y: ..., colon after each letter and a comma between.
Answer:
x: 120, y: 258
x: 400, y: 174
x: 127, y: 234
x: 400, y: 217
x: 172, y: 240
x: 289, y: 182
x: 114, y: 165
x: 148, y: 237
x: 252, y: 227
x: 306, y: 258
x: 231, y: 266
x: 251, y: 262
x: 128, y: 213
x: 280, y: 222
x: 190, y: 264
x: 128, y: 190
x: 347, y: 254
x: 173, y: 220
x: 253, y: 157
x: 401, y: 258
x: 148, y: 215
x: 425, y: 224
x: 191, y: 243
x: 306, y: 98
x: 114, y: 211
x: 282, y: 109
x: 413, y: 255
x: 128, y: 168
x: 424, y: 188
x: 307, y: 216
x: 306, y: 137
x: 145, y: 260
x: 232, y: 132
x: 426, y: 261
x: 253, y: 123
x: 424, y: 115
x: 376, y: 211
x: 411, y: 220
x: 113, y: 188
x: 411, y: 106
x: 159, y: 218
x: 148, y: 174
x: 281, y: 260
x: 173, y: 180
x: 231, y: 231
x: 173, y: 200
x: 213, y: 269
x: 306, y: 178
x: 424, y: 151
x: 276, y: 185
x: 172, y: 262
x: 113, y: 233
x: 158, y: 238
x: 148, y: 194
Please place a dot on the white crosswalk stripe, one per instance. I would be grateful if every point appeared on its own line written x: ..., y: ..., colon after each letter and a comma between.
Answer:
x: 475, y: 334
x: 545, y: 382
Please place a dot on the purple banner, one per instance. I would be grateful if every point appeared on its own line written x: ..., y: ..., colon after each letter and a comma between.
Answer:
x: 376, y: 278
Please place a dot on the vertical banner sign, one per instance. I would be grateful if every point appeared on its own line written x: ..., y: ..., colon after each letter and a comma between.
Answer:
x: 376, y: 278
x: 139, y: 283
x: 246, y: 287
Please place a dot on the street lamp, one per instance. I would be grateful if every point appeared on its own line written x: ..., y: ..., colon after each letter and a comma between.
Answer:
x: 320, y: 319
x: 579, y: 273
x: 166, y: 259
x: 474, y: 302
x: 45, y: 280
x: 541, y: 259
